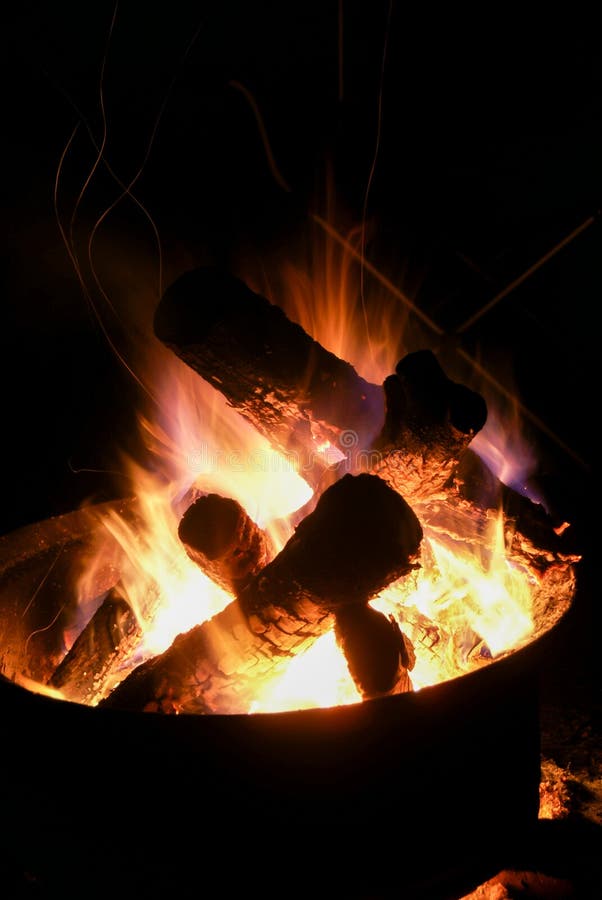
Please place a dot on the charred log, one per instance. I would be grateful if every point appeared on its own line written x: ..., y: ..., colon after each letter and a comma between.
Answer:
x: 429, y: 423
x: 378, y: 655
x: 292, y: 390
x: 89, y: 670
x: 59, y: 546
x: 300, y: 396
x: 224, y: 541
x: 361, y: 536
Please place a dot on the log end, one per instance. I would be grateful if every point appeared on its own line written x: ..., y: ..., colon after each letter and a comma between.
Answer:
x: 361, y: 536
x: 223, y: 541
x: 211, y: 525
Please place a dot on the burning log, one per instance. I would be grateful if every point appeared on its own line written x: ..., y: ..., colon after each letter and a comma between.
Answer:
x: 429, y: 424
x: 361, y: 536
x: 88, y: 671
x: 378, y: 655
x: 228, y: 546
x: 224, y: 541
x: 300, y: 396
x: 295, y: 393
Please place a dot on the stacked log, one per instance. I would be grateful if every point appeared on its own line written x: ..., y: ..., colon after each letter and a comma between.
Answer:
x: 407, y: 439
x: 361, y: 536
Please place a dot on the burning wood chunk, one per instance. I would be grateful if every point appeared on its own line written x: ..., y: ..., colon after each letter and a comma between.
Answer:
x: 224, y: 541
x: 429, y: 424
x: 302, y: 397
x: 361, y: 536
x: 378, y: 655
x: 88, y: 671
x: 297, y: 394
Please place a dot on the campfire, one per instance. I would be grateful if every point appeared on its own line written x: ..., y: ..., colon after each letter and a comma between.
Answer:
x: 298, y: 536
x: 301, y: 646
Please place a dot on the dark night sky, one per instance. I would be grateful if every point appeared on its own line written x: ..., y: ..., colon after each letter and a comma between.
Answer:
x: 489, y: 152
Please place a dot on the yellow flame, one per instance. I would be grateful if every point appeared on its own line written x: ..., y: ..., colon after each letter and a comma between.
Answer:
x: 201, y: 446
x: 317, y: 678
x: 468, y: 607
x: 36, y: 687
x: 465, y: 611
x: 164, y: 588
x: 462, y: 614
x: 200, y: 441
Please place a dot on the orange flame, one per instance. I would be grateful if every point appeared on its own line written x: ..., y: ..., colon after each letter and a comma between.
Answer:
x: 468, y: 607
x: 202, y: 446
x: 329, y: 303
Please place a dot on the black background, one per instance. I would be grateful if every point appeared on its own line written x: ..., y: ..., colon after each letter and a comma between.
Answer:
x: 488, y: 156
